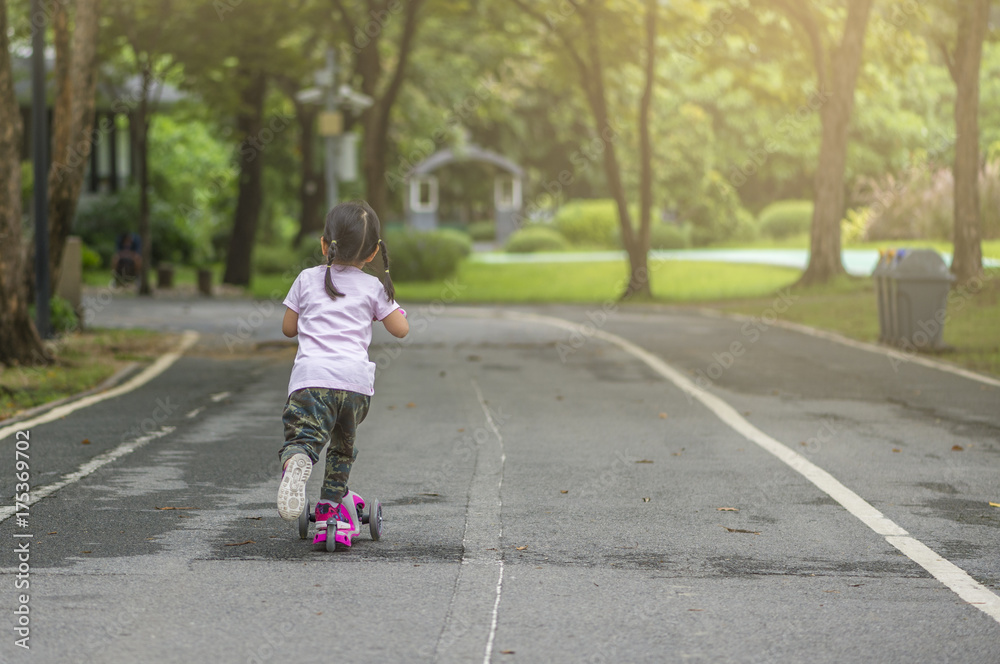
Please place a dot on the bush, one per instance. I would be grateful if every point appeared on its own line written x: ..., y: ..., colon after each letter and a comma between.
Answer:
x: 784, y: 219
x: 483, y: 231
x: 62, y: 318
x: 279, y: 259
x: 424, y: 255
x: 460, y: 238
x: 90, y: 259
x: 590, y: 223
x: 669, y: 236
x: 536, y: 238
x: 916, y: 204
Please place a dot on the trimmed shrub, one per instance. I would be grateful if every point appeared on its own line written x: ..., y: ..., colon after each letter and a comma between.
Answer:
x: 483, y: 231
x: 90, y: 259
x: 784, y: 219
x: 589, y: 223
x: 62, y: 318
x: 460, y: 238
x: 536, y: 238
x: 424, y: 255
x: 669, y: 236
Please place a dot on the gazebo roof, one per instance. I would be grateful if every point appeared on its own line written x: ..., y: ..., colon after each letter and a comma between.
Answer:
x: 466, y: 153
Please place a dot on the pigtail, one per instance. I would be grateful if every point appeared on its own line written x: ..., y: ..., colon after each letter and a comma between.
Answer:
x: 390, y: 290
x: 331, y: 254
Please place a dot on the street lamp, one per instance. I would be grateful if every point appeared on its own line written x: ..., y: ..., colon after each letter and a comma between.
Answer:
x: 331, y: 124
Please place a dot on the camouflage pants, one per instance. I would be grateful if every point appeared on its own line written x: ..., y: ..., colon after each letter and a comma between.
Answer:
x: 314, y: 415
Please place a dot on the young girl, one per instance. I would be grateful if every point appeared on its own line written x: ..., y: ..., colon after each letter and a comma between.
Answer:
x: 331, y: 308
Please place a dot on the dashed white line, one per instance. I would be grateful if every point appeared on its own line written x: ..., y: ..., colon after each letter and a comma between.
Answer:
x: 194, y: 413
x: 87, y: 468
x: 216, y: 398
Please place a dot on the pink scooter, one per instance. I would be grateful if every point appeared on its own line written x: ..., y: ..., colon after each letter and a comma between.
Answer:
x: 343, y: 531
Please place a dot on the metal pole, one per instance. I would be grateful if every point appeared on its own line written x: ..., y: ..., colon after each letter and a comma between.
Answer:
x: 331, y: 142
x: 40, y: 150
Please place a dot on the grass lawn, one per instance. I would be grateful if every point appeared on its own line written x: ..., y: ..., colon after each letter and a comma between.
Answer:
x: 848, y: 306
x: 991, y: 248
x: 84, y: 360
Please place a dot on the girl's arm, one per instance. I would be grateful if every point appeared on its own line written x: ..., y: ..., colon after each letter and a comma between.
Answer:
x: 396, y: 323
x: 290, y: 323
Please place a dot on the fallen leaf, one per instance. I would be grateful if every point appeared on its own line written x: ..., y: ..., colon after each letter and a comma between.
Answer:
x: 696, y: 609
x: 392, y: 408
x: 241, y: 543
x: 443, y: 374
x: 564, y: 491
x: 645, y: 500
x: 956, y: 448
x: 676, y: 453
x: 803, y: 443
x: 727, y: 509
x: 521, y: 548
x: 559, y: 397
x: 461, y: 430
x: 831, y: 591
x: 411, y: 405
x: 430, y: 494
x: 644, y: 461
x: 663, y: 416
x: 740, y: 530
x: 506, y: 652
x: 254, y: 518
x: 176, y: 508
x: 85, y: 552
x: 896, y: 449
x: 56, y: 533
x: 473, y: 358
x: 746, y: 412
x: 85, y: 441
x: 991, y: 505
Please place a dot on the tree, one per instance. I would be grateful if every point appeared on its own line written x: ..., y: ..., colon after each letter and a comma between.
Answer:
x: 368, y: 34
x: 145, y: 28
x: 585, y: 47
x: 837, y: 66
x: 72, y: 118
x: 19, y: 340
x: 964, y: 63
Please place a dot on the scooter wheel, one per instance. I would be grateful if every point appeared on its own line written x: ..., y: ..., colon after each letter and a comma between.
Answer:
x: 375, y: 519
x: 331, y: 539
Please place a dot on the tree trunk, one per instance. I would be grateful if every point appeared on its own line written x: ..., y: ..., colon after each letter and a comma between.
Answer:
x: 19, y: 341
x: 636, y: 246
x: 249, y: 123
x: 835, y: 116
x: 639, y: 282
x: 73, y: 124
x: 973, y: 18
x: 142, y: 164
x: 312, y: 187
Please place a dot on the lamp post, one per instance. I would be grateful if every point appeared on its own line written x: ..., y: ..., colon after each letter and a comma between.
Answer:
x: 40, y: 150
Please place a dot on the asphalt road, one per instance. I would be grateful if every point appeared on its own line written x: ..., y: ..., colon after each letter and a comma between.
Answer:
x: 549, y: 496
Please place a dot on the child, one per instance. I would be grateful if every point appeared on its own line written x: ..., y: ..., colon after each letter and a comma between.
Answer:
x: 331, y: 307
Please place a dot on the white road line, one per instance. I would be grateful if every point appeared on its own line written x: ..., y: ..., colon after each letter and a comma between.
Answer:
x: 944, y: 571
x: 194, y: 413
x: 503, y: 462
x: 87, y: 468
x: 149, y: 373
x: 482, y: 562
x: 219, y: 396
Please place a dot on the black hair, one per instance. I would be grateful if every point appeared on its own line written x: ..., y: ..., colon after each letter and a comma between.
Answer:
x: 352, y: 234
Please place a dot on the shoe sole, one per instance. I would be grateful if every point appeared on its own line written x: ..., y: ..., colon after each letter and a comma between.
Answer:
x: 292, y: 490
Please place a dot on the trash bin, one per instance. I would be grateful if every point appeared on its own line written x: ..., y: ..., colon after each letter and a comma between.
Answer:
x: 911, y: 288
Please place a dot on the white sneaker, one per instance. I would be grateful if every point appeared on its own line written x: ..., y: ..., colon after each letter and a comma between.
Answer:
x: 292, y: 490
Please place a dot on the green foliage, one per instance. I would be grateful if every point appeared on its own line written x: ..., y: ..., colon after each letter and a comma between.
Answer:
x: 536, y: 238
x: 62, y: 318
x: 90, y: 259
x: 717, y: 215
x: 483, y: 231
x: 916, y: 204
x: 424, y: 255
x: 101, y: 219
x: 669, y: 236
x: 274, y: 259
x: 784, y: 219
x: 460, y: 238
x: 592, y: 223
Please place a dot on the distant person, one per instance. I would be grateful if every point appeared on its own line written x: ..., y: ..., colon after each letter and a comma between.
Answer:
x: 126, y: 264
x: 331, y: 308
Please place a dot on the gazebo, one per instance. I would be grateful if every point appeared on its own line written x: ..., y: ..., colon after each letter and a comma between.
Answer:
x: 422, y: 198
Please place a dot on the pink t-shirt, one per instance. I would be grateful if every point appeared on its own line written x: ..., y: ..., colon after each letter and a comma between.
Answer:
x: 334, y: 334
